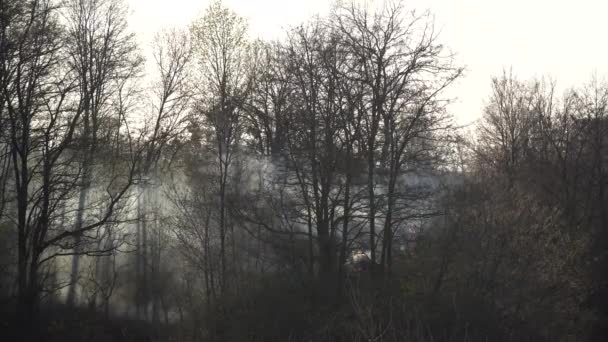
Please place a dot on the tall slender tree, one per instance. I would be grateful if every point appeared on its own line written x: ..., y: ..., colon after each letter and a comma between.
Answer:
x: 102, y: 53
x: 222, y: 51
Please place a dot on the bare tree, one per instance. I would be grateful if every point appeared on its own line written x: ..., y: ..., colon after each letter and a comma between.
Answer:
x: 171, y: 100
x: 44, y: 112
x: 404, y: 69
x: 101, y: 53
x: 268, y: 104
x: 222, y: 49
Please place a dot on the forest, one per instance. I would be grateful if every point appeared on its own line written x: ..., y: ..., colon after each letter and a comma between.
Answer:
x: 311, y: 188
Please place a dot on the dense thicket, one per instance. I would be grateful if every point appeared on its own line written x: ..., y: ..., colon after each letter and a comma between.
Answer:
x: 313, y: 188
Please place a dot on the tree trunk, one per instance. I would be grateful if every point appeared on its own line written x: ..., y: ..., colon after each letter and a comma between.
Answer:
x: 372, y: 209
x: 342, y: 261
x: 74, y: 274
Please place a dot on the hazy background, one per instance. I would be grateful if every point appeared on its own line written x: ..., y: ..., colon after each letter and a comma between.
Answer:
x: 560, y: 38
x: 232, y: 194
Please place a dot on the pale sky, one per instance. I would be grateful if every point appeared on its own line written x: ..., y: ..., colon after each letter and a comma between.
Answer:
x: 563, y: 39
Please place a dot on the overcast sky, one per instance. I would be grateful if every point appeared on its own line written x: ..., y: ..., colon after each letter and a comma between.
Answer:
x: 564, y: 39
